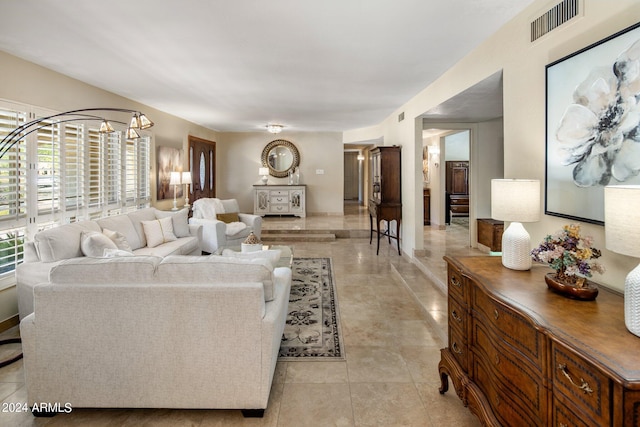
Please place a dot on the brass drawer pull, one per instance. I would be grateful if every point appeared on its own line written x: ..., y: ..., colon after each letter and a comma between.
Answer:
x: 455, y: 282
x: 584, y: 386
x: 455, y: 316
x: 497, y: 360
x: 455, y: 348
x: 496, y: 314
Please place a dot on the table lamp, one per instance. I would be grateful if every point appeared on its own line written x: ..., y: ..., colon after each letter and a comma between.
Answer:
x: 518, y: 201
x: 622, y: 235
x: 186, y: 179
x: 175, y: 181
x: 265, y: 174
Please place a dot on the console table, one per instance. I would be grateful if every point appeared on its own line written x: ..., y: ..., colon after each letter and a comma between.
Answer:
x: 279, y: 200
x: 520, y: 354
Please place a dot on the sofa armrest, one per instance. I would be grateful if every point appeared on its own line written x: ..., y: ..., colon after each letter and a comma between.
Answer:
x: 213, y: 233
x: 253, y: 221
x: 30, y: 252
x: 195, y: 230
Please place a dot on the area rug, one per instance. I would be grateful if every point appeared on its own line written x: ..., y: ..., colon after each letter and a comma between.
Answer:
x: 312, y: 329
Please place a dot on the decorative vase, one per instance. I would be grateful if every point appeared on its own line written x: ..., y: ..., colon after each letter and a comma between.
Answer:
x: 297, y: 176
x: 587, y: 292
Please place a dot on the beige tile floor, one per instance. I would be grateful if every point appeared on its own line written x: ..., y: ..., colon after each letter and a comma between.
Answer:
x: 393, y: 327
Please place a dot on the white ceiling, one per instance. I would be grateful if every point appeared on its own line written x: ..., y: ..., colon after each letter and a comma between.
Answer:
x: 329, y: 65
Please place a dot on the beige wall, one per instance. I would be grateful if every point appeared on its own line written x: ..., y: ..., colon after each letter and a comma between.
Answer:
x: 523, y: 66
x: 239, y: 157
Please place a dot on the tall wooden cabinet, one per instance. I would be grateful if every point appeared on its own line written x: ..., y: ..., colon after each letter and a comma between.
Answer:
x: 385, y: 203
x: 457, y: 188
x: 521, y: 355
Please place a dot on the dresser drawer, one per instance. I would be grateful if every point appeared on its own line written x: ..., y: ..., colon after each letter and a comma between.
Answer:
x: 460, y: 209
x: 508, y: 413
x: 563, y: 416
x: 279, y: 199
x: 510, y: 326
x: 458, y: 317
x: 273, y: 208
x: 279, y: 193
x: 576, y: 380
x: 457, y: 284
x: 459, y: 348
x: 523, y: 384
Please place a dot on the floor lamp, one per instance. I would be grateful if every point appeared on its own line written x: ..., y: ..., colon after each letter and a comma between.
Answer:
x: 186, y: 179
x: 518, y: 201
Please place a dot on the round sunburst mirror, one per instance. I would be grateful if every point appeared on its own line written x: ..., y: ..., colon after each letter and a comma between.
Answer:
x: 280, y: 156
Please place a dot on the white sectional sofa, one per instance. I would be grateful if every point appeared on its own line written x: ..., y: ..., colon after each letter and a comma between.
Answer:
x: 52, y: 246
x: 149, y: 332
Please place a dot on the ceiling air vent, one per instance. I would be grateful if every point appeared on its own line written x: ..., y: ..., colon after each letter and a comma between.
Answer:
x: 556, y: 16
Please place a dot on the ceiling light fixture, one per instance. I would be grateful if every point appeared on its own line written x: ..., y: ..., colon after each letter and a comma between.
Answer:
x: 274, y: 128
x: 138, y: 121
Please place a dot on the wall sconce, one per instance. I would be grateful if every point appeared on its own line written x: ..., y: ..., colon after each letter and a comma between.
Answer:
x: 186, y: 179
x: 518, y: 201
x: 360, y: 157
x: 434, y: 154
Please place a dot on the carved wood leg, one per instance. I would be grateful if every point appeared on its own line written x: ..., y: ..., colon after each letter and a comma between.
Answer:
x: 378, y: 231
x: 370, y: 227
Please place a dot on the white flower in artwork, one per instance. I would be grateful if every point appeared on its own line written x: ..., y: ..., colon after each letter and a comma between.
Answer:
x: 600, y: 131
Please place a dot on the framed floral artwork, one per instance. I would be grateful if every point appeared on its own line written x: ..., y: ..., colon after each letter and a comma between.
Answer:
x: 592, y: 125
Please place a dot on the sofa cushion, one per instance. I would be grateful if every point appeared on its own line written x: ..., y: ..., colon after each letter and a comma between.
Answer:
x: 96, y: 271
x: 181, y: 246
x: 216, y: 269
x: 118, y: 238
x: 62, y: 242
x: 93, y: 243
x: 123, y: 225
x: 136, y: 217
x: 180, y: 220
x: 158, y: 231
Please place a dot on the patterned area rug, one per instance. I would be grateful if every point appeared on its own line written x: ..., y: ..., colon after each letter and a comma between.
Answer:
x: 312, y: 330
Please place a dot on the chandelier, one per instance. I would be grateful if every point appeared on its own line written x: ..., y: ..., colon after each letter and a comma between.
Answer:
x: 138, y: 122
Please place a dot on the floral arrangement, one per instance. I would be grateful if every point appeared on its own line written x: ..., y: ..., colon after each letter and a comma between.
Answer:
x: 570, y: 255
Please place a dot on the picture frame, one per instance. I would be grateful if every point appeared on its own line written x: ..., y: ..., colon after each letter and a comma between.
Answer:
x: 169, y: 160
x: 592, y: 125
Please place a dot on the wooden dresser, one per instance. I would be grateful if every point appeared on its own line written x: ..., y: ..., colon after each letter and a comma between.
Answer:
x: 522, y: 355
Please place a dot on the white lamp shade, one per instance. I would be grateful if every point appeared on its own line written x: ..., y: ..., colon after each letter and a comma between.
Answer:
x: 515, y: 200
x: 175, y: 178
x: 186, y: 177
x: 622, y: 219
x: 263, y: 171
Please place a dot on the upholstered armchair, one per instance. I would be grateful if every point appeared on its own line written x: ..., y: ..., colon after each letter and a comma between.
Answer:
x: 223, y: 226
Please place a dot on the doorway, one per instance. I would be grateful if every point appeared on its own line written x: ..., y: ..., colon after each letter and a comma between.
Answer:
x: 351, y: 176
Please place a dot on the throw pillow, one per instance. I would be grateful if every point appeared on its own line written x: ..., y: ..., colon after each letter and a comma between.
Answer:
x: 180, y: 220
x: 112, y: 253
x: 93, y: 243
x: 118, y: 238
x: 158, y: 231
x: 228, y: 217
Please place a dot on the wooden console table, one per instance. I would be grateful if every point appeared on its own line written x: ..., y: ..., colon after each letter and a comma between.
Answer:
x: 522, y: 355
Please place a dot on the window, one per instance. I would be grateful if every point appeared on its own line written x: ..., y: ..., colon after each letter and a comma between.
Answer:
x: 61, y: 173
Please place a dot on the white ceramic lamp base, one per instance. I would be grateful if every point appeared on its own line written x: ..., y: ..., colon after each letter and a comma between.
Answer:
x: 516, y: 247
x: 632, y: 301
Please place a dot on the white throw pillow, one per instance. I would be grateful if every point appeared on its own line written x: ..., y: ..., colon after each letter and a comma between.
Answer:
x: 271, y: 255
x: 113, y: 253
x: 93, y: 243
x: 158, y: 231
x: 118, y: 238
x: 180, y: 220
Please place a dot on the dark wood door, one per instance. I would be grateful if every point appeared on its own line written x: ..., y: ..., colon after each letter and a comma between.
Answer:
x: 202, y: 164
x: 457, y: 176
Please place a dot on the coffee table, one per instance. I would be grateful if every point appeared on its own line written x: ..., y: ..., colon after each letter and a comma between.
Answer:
x: 286, y: 255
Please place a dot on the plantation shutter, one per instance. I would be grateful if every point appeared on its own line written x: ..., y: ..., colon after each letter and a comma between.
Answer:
x: 73, y: 167
x: 48, y: 168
